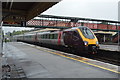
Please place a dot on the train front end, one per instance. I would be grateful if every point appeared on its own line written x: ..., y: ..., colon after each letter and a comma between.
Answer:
x: 90, y: 41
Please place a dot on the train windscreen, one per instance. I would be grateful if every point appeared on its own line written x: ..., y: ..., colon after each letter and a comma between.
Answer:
x: 87, y: 33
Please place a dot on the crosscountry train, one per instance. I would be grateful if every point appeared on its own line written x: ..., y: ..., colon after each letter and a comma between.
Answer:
x: 80, y: 39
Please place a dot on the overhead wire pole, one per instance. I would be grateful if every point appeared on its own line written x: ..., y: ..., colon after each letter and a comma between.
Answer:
x: 118, y: 35
x: 1, y: 49
x: 1, y: 38
x: 1, y: 33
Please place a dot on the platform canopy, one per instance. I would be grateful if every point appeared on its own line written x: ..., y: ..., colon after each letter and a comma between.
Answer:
x: 15, y: 12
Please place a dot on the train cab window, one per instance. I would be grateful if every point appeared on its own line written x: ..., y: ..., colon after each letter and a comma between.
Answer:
x: 87, y: 33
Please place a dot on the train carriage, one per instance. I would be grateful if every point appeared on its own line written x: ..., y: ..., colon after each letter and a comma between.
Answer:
x: 80, y: 39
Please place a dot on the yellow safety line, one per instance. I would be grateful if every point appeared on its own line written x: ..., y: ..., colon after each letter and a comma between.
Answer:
x: 81, y: 61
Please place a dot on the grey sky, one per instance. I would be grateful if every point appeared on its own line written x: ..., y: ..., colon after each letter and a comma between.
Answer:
x: 10, y: 29
x: 96, y: 9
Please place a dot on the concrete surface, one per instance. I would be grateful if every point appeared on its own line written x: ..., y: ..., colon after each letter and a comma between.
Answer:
x: 41, y: 64
x: 110, y: 47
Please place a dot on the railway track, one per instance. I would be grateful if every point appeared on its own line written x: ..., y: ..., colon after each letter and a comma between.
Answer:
x: 108, y: 57
x: 111, y: 61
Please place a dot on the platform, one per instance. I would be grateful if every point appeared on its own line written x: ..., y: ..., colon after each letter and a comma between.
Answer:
x: 40, y: 63
x: 110, y: 47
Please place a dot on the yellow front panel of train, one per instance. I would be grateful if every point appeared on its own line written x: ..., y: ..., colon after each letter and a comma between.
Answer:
x: 90, y: 41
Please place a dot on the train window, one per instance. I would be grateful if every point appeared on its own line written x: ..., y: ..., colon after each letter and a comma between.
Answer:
x: 51, y: 36
x: 87, y: 33
x: 30, y: 36
x: 48, y: 36
x: 45, y: 36
x: 39, y: 36
x: 42, y: 36
x: 55, y: 36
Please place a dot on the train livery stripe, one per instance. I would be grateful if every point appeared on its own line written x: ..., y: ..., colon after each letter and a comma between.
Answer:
x: 59, y: 38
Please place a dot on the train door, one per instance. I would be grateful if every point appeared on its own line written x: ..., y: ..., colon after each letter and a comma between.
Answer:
x: 36, y: 40
x: 67, y: 35
x: 59, y: 38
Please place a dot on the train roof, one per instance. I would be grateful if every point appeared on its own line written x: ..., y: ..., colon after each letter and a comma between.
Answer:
x: 42, y: 30
x: 78, y: 27
x: 73, y: 28
x: 47, y: 29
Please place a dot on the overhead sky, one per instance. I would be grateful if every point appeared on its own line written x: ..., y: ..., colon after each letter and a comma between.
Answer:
x: 95, y: 9
x: 11, y: 29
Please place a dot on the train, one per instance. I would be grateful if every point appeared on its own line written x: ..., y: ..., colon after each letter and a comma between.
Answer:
x: 81, y: 39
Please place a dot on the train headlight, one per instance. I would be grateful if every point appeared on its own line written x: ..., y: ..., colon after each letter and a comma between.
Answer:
x: 86, y: 43
x: 97, y: 43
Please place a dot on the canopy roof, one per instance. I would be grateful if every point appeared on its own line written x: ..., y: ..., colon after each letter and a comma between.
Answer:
x: 23, y: 11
